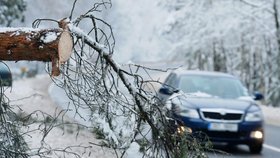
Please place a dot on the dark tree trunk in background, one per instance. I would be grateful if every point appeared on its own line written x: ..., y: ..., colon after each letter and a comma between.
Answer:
x: 277, y: 25
x: 219, y: 57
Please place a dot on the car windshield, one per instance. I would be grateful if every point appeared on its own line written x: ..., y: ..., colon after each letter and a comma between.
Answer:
x: 212, y: 86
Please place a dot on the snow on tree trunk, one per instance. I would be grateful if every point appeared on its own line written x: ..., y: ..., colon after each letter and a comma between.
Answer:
x: 46, y: 45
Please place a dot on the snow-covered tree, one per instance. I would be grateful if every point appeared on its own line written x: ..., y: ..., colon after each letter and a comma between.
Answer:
x: 239, y: 37
x: 11, y: 10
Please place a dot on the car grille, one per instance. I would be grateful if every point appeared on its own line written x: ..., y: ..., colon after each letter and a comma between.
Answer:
x: 221, y: 115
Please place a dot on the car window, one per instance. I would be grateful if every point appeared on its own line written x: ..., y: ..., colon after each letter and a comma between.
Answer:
x: 224, y: 87
x: 171, y: 81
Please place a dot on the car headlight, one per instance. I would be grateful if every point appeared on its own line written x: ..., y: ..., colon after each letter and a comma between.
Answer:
x: 186, y: 112
x: 254, y: 116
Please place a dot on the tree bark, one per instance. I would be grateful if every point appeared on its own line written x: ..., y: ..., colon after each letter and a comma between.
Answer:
x: 45, y: 45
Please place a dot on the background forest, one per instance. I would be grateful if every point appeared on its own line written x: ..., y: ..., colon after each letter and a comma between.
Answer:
x: 239, y: 37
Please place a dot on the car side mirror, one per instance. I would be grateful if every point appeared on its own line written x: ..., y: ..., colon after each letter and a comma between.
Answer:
x: 166, y: 91
x: 258, y: 96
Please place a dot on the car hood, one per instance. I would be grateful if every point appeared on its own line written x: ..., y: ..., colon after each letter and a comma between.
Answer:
x: 211, y: 102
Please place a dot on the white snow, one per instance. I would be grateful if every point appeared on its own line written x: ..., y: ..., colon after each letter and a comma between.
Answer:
x: 49, y: 37
x: 271, y: 114
x: 81, y: 33
x: 247, y: 98
x: 18, y: 29
x: 133, y: 151
x: 59, y: 97
x: 29, y: 95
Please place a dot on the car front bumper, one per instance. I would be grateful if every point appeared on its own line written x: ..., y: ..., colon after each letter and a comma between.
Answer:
x: 243, y: 135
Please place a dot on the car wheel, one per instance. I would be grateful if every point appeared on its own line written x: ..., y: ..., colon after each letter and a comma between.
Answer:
x: 256, y: 148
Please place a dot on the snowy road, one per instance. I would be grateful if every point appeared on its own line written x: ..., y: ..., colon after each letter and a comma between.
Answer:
x: 29, y: 95
x: 36, y: 93
x: 59, y: 96
x: 271, y: 148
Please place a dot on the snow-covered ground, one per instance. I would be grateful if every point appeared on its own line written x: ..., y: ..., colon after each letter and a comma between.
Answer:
x: 60, y: 98
x: 271, y: 115
x: 29, y: 95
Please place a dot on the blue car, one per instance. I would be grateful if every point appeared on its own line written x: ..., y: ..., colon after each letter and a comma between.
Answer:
x: 216, y: 104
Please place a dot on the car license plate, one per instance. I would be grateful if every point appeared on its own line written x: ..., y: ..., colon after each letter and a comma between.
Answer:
x: 223, y: 127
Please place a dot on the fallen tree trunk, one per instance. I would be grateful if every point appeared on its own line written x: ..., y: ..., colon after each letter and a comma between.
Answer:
x: 45, y: 45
